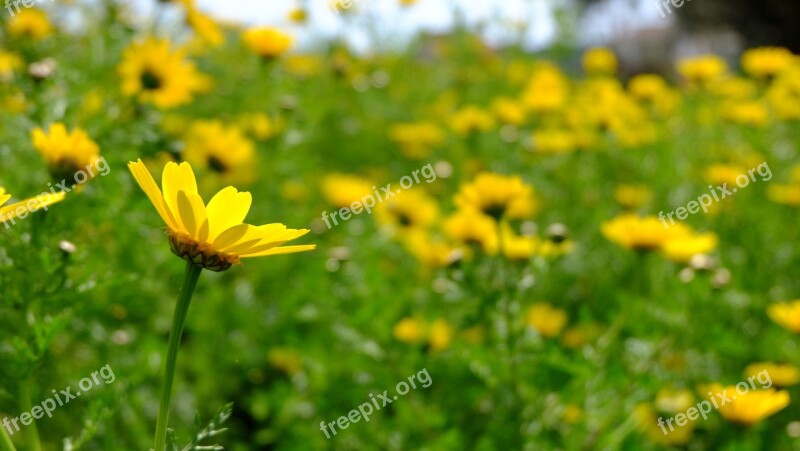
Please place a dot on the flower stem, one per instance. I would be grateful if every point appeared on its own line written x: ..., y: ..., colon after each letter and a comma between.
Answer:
x: 178, y: 321
x: 5, y: 441
x: 34, y: 444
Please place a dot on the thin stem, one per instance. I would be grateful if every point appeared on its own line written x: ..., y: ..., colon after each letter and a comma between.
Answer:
x: 5, y: 441
x: 178, y: 320
x: 34, y: 444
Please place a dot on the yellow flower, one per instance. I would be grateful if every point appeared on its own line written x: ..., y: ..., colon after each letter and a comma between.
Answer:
x: 22, y: 208
x: 641, y: 233
x: 298, y: 15
x: 547, y: 91
x: 286, y: 360
x: 9, y: 62
x: 259, y: 125
x: 498, y: 196
x: 764, y: 62
x: 508, y: 111
x: 522, y: 247
x: 786, y: 315
x: 205, y: 27
x: 212, y: 236
x: 748, y: 113
x: 470, y: 227
x: 633, y: 196
x: 66, y: 153
x: 471, y: 119
x: 303, y: 66
x: 267, y: 42
x: 416, y: 139
x: 407, y: 2
x: 220, y: 148
x: 599, y: 61
x: 553, y: 141
x: 780, y: 375
x: 155, y: 74
x: 647, y: 86
x: 681, y: 249
x: 784, y: 194
x: 409, y: 330
x: 749, y: 407
x: 408, y: 209
x: 702, y: 69
x: 668, y: 403
x: 341, y: 190
x: 546, y: 319
x: 30, y: 23
x: 430, y: 252
x: 440, y: 335
x: 720, y: 174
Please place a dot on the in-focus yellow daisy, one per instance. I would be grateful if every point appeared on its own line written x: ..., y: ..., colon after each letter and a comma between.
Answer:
x: 786, y: 315
x: 156, y: 74
x: 66, y: 152
x: 30, y: 23
x: 267, y: 42
x: 498, y: 196
x: 220, y: 148
x: 21, y: 209
x: 546, y: 319
x: 750, y: 407
x: 212, y: 236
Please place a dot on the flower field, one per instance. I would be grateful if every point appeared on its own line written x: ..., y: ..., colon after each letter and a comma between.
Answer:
x: 216, y: 238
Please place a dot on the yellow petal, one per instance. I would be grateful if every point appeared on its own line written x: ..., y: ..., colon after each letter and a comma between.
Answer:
x: 282, y: 250
x: 220, y: 216
x: 148, y: 185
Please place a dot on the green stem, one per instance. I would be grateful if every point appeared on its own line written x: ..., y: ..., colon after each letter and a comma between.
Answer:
x: 34, y: 444
x: 5, y: 441
x: 178, y: 321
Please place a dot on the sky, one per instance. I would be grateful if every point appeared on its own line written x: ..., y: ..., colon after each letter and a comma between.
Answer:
x: 393, y: 25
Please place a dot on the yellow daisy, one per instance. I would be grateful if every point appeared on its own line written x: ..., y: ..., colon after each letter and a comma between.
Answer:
x: 66, y: 152
x: 212, y: 236
x: 267, y: 42
x: 786, y: 315
x: 22, y: 208
x: 156, y: 74
x: 751, y: 406
x: 30, y: 23
x: 546, y: 319
x: 222, y: 149
x: 498, y: 196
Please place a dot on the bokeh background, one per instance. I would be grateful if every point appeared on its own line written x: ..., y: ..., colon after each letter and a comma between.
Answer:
x: 531, y: 279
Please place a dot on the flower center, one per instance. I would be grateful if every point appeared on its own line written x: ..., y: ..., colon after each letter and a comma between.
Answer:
x: 200, y: 254
x: 150, y: 81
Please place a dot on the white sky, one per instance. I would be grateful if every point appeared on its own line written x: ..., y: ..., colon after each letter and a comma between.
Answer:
x: 391, y: 25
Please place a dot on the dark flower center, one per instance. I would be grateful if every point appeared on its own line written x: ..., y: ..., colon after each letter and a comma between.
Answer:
x: 150, y: 81
x: 496, y: 211
x: 216, y: 164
